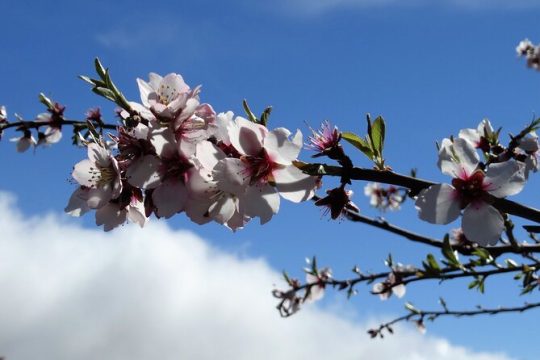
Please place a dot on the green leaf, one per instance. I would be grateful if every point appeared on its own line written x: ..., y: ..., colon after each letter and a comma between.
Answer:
x: 378, y: 130
x: 359, y: 143
x: 431, y: 264
x: 106, y: 93
x: 449, y: 253
x: 266, y: 115
x: 251, y: 116
x: 46, y: 101
x: 100, y: 70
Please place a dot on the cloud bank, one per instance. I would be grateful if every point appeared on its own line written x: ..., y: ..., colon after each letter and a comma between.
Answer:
x: 73, y: 293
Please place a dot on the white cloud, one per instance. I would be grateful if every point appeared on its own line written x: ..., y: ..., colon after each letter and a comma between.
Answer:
x: 317, y: 7
x: 73, y: 293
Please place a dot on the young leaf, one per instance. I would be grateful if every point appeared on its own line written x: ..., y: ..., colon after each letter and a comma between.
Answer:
x: 377, y: 134
x: 358, y: 143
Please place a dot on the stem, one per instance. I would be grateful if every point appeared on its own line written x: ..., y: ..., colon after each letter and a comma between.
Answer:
x: 415, y: 185
x: 38, y: 124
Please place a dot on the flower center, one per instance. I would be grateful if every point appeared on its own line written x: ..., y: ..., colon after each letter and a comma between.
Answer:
x: 259, y: 168
x: 470, y: 188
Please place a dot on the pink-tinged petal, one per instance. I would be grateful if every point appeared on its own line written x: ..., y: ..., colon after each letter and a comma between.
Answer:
x: 223, y: 209
x: 231, y: 176
x: 246, y: 136
x: 505, y: 179
x: 485, y: 128
x: 399, y: 290
x: 136, y: 213
x: 144, y: 172
x: 261, y: 200
x: 482, y: 223
x: 99, y: 197
x: 170, y: 198
x: 293, y: 184
x: 438, y: 204
x: 208, y: 154
x: 43, y: 117
x: 99, y: 155
x: 187, y: 148
x: 110, y: 216
x: 86, y: 173
x: 280, y: 148
x: 77, y: 203
x: 145, y: 89
x: 144, y: 112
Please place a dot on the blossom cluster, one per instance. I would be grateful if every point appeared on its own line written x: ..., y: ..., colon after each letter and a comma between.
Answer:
x: 476, y: 184
x: 531, y: 53
x: 183, y: 157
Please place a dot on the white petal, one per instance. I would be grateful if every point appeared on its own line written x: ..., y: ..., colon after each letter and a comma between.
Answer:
x: 458, y: 159
x: 110, y: 216
x: 169, y: 198
x: 247, y: 137
x: 482, y: 223
x: 280, y: 148
x: 293, y: 184
x: 144, y: 172
x: 237, y: 221
x: 53, y: 135
x: 85, y: 172
x: 208, y: 154
x: 197, y: 210
x: 438, y: 204
x: 145, y: 89
x: 223, y: 209
x: 77, y: 203
x: 136, y: 213
x: 470, y: 135
x: 163, y: 140
x: 99, y: 155
x: 99, y: 197
x: 505, y: 179
x: 399, y: 290
x: 260, y: 200
x: 231, y: 176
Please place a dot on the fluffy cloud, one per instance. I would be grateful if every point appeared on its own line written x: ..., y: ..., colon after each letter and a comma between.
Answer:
x: 74, y: 293
x: 315, y: 7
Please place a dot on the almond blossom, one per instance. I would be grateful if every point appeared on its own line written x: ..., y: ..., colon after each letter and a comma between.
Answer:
x: 167, y: 97
x: 383, y: 198
x: 100, y: 174
x: 531, y: 149
x: 480, y: 137
x: 25, y: 141
x: 264, y: 169
x: 470, y: 192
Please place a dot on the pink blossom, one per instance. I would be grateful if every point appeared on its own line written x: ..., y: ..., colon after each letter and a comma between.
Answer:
x: 25, y: 141
x: 325, y: 140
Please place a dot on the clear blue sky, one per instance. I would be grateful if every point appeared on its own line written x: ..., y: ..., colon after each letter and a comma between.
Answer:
x: 429, y: 69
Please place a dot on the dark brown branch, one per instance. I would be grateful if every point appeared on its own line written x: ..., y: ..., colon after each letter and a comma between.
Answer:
x: 37, y: 124
x: 415, y: 185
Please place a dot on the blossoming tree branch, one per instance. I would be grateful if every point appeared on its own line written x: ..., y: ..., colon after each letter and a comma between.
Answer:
x: 170, y: 154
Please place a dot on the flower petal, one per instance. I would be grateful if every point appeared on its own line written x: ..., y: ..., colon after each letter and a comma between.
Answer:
x: 144, y: 172
x: 261, y: 200
x: 110, y: 216
x: 293, y: 184
x: 77, y: 202
x: 280, y: 149
x: 169, y: 198
x: 458, y: 159
x: 505, y: 179
x: 230, y: 175
x: 438, y: 204
x: 247, y: 137
x: 482, y: 223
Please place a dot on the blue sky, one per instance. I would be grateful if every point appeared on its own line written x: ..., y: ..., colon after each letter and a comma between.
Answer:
x: 429, y: 69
